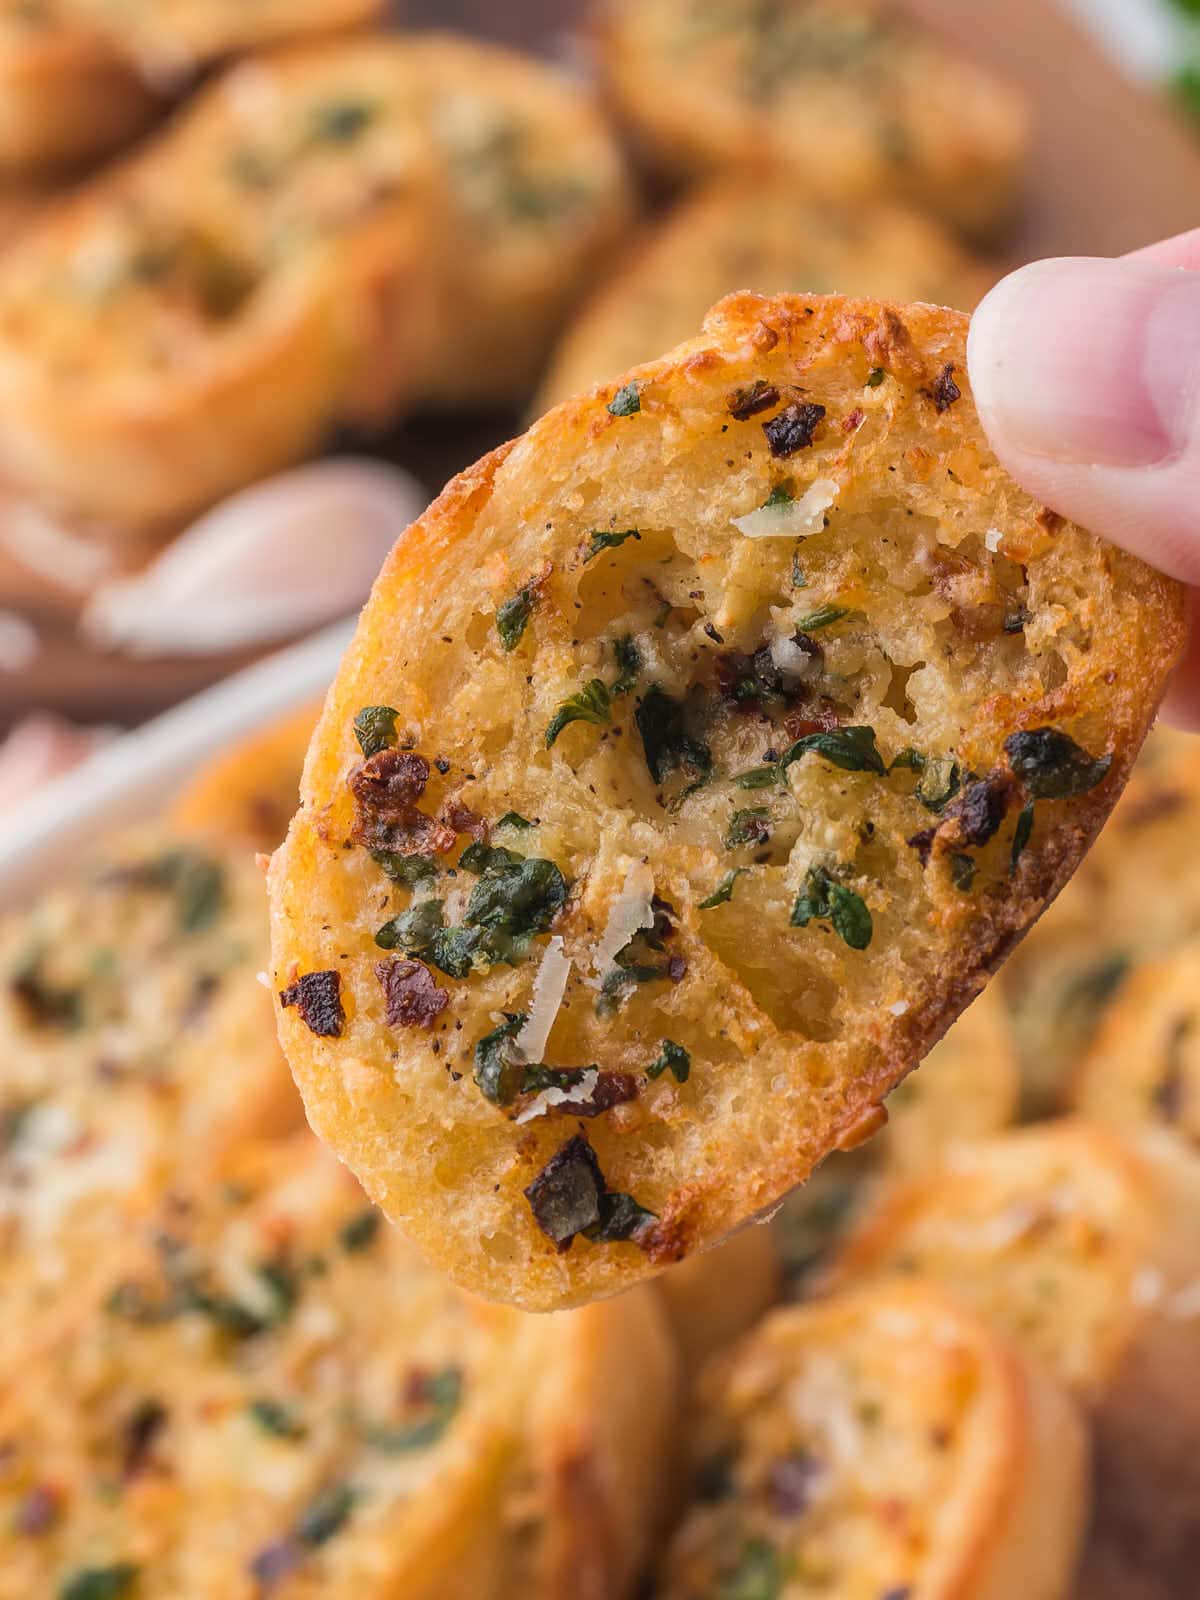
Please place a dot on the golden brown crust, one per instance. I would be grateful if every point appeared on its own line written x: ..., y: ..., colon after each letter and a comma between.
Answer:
x: 938, y: 597
x: 886, y: 1442
x: 271, y: 1393
x: 762, y: 231
x: 119, y: 991
x: 857, y: 101
x: 1085, y: 1249
x: 250, y: 791
x: 353, y: 228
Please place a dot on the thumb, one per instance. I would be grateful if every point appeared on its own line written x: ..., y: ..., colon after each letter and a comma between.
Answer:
x: 1086, y: 374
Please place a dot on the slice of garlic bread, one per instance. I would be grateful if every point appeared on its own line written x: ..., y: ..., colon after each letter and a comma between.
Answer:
x: 764, y: 232
x: 1143, y: 1068
x: 250, y: 791
x: 1130, y: 903
x: 131, y: 1031
x: 537, y: 199
x: 1085, y: 1250
x: 260, y: 246
x: 79, y: 78
x: 855, y: 99
x: 350, y: 229
x: 698, y: 756
x: 884, y: 1443
x: 275, y: 1396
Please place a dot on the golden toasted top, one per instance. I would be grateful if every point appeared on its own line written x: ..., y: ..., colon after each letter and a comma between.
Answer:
x: 1048, y: 1230
x: 759, y: 231
x: 119, y: 991
x: 857, y: 1448
x: 273, y: 1395
x: 858, y: 100
x: 705, y: 747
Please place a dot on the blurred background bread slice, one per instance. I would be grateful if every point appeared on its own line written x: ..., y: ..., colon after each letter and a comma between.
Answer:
x: 885, y: 1442
x: 754, y: 231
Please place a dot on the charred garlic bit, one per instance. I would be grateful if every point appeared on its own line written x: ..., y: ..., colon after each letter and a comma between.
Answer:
x: 570, y: 1196
x: 318, y: 998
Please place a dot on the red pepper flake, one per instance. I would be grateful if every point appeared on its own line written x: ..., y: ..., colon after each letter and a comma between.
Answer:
x: 386, y: 789
x: 748, y: 402
x: 944, y: 391
x: 854, y: 421
x: 793, y: 428
x: 413, y: 999
x: 462, y: 819
x: 318, y: 998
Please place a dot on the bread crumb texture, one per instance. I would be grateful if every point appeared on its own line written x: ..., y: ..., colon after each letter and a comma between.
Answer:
x: 698, y: 756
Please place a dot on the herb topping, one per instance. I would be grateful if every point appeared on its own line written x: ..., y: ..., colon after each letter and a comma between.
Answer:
x: 825, y: 899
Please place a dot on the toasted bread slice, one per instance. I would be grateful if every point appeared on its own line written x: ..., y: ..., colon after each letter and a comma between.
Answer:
x: 762, y: 232
x: 1143, y: 1068
x: 250, y: 791
x: 859, y: 102
x: 143, y: 321
x: 714, y: 618
x: 1129, y: 904
x: 1086, y: 1251
x: 318, y: 227
x: 79, y: 78
x: 537, y: 197
x: 132, y: 1029
x: 886, y: 1442
x: 276, y: 1396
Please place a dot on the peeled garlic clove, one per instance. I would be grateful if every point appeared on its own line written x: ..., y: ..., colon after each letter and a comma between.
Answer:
x: 270, y: 562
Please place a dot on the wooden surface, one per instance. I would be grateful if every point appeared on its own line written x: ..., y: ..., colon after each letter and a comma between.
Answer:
x: 1112, y: 169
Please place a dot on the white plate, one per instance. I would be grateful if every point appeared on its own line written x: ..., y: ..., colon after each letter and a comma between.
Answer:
x: 136, y: 776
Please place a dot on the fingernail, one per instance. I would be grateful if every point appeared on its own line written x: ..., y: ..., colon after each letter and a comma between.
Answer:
x: 1089, y: 361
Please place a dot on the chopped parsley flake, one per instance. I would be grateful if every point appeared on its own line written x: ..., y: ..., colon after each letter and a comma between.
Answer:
x: 724, y: 890
x: 627, y: 401
x: 513, y: 615
x: 825, y: 899
x: 342, y: 121
x: 751, y: 825
x: 514, y: 819
x: 672, y: 1058
x: 822, y: 617
x: 629, y: 664
x: 326, y: 1515
x: 100, y: 1583
x: 411, y: 872
x: 668, y: 745
x: 592, y: 704
x: 277, y: 1419
x: 601, y: 540
x: 442, y: 1393
x: 360, y: 1232
x: 1022, y: 835
x: 375, y: 729
x: 1052, y: 766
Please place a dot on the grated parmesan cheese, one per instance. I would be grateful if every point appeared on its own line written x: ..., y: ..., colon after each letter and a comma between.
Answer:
x: 548, y: 989
x: 791, y: 519
x: 630, y: 912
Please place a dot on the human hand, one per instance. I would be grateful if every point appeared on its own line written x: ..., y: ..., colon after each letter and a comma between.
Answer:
x: 1086, y: 374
